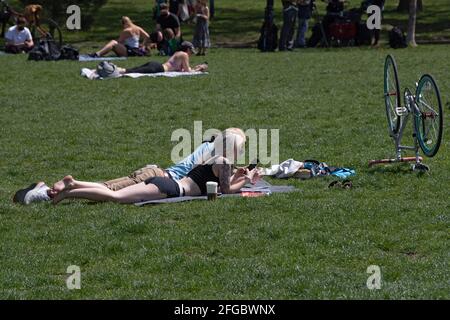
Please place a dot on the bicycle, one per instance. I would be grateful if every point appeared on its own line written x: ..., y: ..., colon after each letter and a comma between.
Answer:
x: 426, y: 108
x: 39, y: 28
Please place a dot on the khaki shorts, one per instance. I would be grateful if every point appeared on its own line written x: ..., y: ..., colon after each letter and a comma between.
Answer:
x: 136, y: 177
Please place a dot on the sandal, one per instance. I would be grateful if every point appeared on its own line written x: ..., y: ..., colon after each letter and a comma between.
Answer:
x: 335, y: 184
x: 346, y: 184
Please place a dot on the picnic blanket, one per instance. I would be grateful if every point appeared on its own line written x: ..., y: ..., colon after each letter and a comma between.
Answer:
x: 87, y: 58
x: 91, y: 74
x: 261, y: 188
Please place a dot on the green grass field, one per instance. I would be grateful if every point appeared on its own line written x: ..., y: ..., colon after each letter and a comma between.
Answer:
x: 315, y: 243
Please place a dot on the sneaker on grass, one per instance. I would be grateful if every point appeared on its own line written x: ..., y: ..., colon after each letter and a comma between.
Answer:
x: 36, y: 192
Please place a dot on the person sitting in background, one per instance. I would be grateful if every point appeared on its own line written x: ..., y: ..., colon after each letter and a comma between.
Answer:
x: 305, y: 8
x: 170, y: 44
x: 166, y: 20
x: 157, y: 8
x: 128, y: 43
x: 18, y: 38
x: 156, y: 40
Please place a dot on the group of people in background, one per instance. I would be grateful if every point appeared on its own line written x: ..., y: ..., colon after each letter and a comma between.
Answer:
x: 302, y: 10
x: 167, y: 36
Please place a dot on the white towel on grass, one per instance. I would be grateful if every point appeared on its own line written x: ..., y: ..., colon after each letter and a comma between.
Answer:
x: 92, y: 74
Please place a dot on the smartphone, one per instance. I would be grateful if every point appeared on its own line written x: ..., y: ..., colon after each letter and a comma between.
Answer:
x: 253, y: 165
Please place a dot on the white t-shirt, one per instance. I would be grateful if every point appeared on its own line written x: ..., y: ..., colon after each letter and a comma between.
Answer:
x: 16, y: 36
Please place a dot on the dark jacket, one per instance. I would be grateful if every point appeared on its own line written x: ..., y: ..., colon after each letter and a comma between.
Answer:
x: 305, y: 9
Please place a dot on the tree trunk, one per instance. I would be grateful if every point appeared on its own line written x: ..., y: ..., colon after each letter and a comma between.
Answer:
x: 411, y: 38
x: 403, y: 5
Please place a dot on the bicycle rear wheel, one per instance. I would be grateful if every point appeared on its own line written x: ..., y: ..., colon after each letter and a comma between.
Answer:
x: 48, y: 27
x: 428, y: 115
x: 392, y: 98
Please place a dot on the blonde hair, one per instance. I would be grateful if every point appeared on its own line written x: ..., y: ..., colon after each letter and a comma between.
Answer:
x: 127, y: 22
x: 230, y: 140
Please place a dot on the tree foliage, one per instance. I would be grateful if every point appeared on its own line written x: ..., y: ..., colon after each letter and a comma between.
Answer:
x: 57, y: 9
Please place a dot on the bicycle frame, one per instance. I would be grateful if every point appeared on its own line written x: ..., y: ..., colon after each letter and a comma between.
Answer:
x: 404, y: 113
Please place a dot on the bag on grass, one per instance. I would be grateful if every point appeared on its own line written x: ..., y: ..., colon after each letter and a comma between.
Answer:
x: 46, y: 50
x: 397, y: 38
x: 107, y: 70
x: 69, y: 53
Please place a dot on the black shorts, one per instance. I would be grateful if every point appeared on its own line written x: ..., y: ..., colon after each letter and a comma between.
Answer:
x: 134, y: 52
x: 149, y: 67
x: 165, y: 185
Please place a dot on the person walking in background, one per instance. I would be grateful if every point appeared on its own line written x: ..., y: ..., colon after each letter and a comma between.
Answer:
x: 287, y: 31
x: 305, y: 8
x: 201, y: 34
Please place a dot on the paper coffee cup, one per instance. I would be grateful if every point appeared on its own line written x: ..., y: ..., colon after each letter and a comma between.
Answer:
x: 211, y: 190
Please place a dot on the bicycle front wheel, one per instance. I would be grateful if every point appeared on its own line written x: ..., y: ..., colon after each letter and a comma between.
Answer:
x: 392, y: 98
x: 428, y: 115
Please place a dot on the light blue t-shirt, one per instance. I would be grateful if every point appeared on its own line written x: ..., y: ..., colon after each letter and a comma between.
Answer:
x: 182, y: 168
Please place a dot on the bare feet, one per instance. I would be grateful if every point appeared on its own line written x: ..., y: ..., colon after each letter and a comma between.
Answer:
x: 66, y: 183
x: 59, y: 197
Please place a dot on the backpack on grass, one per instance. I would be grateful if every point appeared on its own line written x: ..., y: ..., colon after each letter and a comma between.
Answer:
x: 46, y: 49
x: 69, y: 53
x: 397, y: 38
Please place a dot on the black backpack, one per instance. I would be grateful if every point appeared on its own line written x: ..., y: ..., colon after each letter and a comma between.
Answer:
x: 47, y: 50
x: 397, y: 38
x: 268, y: 40
x: 69, y: 53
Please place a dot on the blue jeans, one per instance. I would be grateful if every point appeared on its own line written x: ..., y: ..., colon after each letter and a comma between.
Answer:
x: 302, y: 29
x: 288, y: 29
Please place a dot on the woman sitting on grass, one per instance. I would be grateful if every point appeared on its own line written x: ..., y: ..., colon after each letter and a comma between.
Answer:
x: 178, y: 62
x: 218, y: 169
x: 128, y: 43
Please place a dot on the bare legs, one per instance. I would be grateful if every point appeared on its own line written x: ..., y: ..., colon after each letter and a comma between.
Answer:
x: 115, y: 46
x: 98, y: 192
x: 68, y: 182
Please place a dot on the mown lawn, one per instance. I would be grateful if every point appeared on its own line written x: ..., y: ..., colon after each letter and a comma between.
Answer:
x: 315, y: 243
